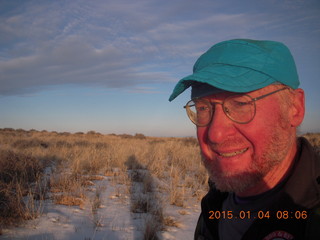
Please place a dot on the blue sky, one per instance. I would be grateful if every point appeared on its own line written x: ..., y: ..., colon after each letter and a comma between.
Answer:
x: 110, y: 65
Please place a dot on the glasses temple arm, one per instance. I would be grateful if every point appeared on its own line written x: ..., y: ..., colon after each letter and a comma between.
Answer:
x: 268, y: 94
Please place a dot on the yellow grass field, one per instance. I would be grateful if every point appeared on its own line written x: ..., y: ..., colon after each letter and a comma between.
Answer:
x: 35, y: 166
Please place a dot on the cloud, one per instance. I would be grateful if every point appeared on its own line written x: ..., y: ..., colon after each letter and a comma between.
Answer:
x: 118, y: 44
x: 75, y: 62
x: 83, y: 50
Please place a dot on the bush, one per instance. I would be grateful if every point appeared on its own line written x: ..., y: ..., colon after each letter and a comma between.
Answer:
x: 18, y: 167
x: 139, y: 136
x: 17, y: 171
x: 24, y: 143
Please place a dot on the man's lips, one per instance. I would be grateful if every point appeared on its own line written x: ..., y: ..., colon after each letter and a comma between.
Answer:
x: 230, y: 153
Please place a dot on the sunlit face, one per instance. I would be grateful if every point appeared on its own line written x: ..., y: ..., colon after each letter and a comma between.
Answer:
x: 237, y: 156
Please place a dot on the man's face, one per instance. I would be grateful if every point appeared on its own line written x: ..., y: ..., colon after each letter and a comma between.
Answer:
x: 238, y: 156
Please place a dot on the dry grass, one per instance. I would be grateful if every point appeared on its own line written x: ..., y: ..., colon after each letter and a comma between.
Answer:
x: 144, y: 198
x: 20, y: 184
x: 76, y: 160
x: 171, y: 222
x: 69, y: 200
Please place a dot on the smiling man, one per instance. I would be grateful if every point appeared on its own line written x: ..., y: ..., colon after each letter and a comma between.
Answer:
x: 264, y: 181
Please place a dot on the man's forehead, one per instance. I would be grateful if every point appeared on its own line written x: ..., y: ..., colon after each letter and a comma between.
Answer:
x: 199, y: 90
x: 220, y: 96
x: 216, y: 93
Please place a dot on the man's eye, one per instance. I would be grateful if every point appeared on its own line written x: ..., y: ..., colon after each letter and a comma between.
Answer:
x: 202, y: 108
x: 240, y: 104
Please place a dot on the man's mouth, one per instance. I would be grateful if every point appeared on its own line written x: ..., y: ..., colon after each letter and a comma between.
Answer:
x: 232, y: 154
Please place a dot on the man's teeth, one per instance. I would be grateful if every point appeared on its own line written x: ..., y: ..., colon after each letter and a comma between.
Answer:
x: 231, y: 154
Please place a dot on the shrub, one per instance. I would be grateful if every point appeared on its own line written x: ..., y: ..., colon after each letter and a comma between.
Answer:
x: 18, y: 167
x: 29, y: 143
x: 139, y: 136
x: 17, y: 172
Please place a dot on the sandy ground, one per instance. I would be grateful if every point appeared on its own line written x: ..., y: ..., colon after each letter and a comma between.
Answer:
x: 113, y: 220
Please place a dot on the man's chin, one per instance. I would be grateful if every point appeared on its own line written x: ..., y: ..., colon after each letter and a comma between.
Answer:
x: 236, y: 184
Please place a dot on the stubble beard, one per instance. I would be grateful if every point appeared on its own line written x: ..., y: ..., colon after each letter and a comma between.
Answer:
x: 273, y: 155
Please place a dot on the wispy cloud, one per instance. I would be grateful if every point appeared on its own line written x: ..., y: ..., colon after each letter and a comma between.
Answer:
x: 117, y: 44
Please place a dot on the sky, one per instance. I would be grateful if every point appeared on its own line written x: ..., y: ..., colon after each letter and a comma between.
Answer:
x: 110, y: 65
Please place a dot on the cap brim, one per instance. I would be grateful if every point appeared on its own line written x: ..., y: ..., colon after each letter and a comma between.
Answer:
x: 226, y: 77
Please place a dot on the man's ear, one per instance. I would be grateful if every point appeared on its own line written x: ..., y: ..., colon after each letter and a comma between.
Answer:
x: 297, y: 108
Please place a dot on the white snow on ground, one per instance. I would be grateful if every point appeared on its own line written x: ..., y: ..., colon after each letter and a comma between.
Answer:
x: 112, y: 221
x: 187, y: 220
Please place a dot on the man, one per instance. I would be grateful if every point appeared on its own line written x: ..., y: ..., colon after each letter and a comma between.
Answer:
x: 264, y: 181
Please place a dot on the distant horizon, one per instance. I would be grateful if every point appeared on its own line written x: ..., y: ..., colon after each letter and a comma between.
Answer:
x: 90, y: 132
x: 299, y: 133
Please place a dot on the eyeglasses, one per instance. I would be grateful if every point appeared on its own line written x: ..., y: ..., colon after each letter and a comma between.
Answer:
x: 240, y: 108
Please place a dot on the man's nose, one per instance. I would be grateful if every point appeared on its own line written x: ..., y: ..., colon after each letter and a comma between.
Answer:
x: 221, y: 127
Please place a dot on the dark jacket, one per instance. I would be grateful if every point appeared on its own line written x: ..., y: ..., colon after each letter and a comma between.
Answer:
x: 300, y: 198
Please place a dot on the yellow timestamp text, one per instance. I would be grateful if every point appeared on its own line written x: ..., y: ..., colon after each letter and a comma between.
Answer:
x: 258, y: 215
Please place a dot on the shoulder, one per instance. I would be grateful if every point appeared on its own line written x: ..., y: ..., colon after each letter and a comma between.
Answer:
x: 313, y: 230
x: 310, y: 148
x: 303, y: 185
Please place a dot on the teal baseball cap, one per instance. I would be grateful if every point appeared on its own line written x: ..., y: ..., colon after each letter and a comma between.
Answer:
x: 240, y: 65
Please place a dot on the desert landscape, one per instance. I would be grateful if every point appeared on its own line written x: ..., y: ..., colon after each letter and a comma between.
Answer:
x: 94, y: 186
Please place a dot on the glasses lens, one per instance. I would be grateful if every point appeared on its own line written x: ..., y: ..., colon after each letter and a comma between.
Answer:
x: 240, y: 108
x: 199, y: 111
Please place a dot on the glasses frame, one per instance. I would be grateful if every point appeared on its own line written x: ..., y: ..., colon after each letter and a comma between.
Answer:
x: 225, y: 110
